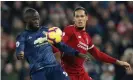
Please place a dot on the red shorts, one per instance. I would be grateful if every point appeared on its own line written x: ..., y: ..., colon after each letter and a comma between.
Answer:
x: 84, y: 76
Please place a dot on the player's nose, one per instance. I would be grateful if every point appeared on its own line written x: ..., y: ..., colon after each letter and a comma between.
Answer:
x: 79, y: 20
x: 36, y: 21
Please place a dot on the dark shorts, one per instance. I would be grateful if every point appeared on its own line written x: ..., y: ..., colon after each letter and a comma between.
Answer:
x: 50, y: 73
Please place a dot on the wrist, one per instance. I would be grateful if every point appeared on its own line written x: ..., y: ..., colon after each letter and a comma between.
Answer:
x: 118, y: 62
x: 77, y: 53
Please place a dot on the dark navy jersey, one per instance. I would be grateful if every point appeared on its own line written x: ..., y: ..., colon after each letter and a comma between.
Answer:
x: 37, y: 51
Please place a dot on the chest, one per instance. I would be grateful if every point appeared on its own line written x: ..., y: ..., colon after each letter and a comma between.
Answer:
x: 81, y: 37
x: 35, y: 38
x: 80, y: 41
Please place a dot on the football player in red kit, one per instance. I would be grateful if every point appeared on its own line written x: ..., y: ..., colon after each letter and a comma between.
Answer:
x: 76, y: 37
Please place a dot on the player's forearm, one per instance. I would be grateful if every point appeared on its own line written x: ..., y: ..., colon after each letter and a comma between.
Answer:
x: 66, y: 49
x: 58, y: 56
x: 120, y: 63
x: 102, y: 56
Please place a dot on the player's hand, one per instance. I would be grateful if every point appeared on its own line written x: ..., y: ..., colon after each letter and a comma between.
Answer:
x: 124, y: 64
x: 85, y: 56
x: 21, y: 55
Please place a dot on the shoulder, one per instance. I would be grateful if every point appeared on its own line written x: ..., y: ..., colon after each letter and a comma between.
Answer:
x: 69, y: 27
x: 88, y: 35
x: 22, y: 34
x: 44, y: 28
x: 68, y: 30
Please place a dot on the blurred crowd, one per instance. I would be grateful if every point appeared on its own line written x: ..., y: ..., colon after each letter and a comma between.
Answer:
x: 110, y: 25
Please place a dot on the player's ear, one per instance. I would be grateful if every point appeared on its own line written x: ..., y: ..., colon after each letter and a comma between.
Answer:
x: 26, y: 19
x: 87, y: 18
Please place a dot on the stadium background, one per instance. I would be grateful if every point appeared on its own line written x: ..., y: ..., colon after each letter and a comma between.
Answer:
x: 110, y: 25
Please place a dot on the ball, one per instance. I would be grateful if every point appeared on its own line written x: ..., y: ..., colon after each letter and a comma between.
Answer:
x: 54, y: 35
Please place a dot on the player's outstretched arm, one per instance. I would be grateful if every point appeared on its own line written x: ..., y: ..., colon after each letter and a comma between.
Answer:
x: 66, y: 49
x: 106, y: 58
x: 124, y: 64
x: 69, y: 50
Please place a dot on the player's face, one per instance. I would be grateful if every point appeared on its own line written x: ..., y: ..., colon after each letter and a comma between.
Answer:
x: 80, y: 18
x: 34, y: 21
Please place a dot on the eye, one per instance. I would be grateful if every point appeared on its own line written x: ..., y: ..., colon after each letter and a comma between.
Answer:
x: 36, y: 18
x: 76, y: 16
x: 82, y: 15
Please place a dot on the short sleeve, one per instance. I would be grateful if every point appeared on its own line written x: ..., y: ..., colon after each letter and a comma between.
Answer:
x: 67, y: 33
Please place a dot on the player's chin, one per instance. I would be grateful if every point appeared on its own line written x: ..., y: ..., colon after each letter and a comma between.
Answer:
x: 36, y: 26
x: 80, y: 27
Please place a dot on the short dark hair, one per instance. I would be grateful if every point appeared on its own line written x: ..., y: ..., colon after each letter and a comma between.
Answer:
x: 80, y: 8
x: 29, y: 10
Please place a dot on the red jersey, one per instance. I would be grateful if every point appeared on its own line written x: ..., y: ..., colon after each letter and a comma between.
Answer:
x: 81, y: 41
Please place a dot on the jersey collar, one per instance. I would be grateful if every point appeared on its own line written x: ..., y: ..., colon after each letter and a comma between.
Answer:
x: 78, y: 29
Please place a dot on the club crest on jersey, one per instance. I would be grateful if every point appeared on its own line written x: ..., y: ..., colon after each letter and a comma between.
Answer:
x: 79, y: 36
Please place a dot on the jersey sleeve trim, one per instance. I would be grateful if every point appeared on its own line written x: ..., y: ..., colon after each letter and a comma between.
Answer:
x: 91, y: 47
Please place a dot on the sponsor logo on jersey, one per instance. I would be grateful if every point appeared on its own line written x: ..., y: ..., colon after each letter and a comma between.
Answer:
x: 82, y: 45
x: 40, y: 41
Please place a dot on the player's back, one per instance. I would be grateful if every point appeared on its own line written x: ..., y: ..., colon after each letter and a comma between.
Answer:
x: 38, y: 53
x: 78, y: 40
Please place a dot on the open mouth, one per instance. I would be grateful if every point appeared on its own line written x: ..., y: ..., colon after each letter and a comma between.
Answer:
x: 37, y: 25
x: 80, y: 23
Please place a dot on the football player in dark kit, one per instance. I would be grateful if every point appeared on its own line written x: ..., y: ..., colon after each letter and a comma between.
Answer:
x: 32, y: 45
